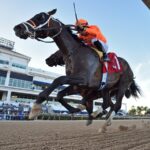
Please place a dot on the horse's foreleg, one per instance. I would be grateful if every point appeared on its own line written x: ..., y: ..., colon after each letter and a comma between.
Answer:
x: 55, y: 59
x: 87, y: 103
x: 57, y: 82
x: 36, y: 109
x: 89, y: 108
x: 67, y: 91
x: 87, y: 97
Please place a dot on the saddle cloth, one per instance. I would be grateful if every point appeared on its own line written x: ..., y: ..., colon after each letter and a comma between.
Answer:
x: 112, y: 66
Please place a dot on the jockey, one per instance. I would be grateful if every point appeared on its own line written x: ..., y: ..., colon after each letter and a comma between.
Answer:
x: 92, y: 36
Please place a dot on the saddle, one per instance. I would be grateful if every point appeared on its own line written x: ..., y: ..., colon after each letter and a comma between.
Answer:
x: 111, y: 66
x: 100, y: 54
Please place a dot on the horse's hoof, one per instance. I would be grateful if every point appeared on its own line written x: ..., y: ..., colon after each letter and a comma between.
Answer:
x: 89, y: 122
x: 35, y: 111
x: 109, y: 123
x: 97, y: 112
x: 100, y: 115
x: 102, y: 130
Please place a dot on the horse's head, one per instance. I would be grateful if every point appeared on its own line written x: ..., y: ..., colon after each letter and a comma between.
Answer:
x: 39, y: 26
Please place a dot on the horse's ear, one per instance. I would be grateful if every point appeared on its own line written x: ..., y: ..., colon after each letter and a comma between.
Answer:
x: 52, y: 12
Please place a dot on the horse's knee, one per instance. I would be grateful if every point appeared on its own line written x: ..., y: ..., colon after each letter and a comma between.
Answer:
x: 83, y: 101
x: 43, y: 95
x: 62, y: 80
x: 48, y: 62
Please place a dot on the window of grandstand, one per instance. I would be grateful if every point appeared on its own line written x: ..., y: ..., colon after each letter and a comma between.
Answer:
x: 20, y: 80
x: 2, y: 80
x: 22, y: 97
x: 6, y: 62
x: 18, y: 66
x: 38, y: 85
x: 20, y: 83
x: 2, y: 77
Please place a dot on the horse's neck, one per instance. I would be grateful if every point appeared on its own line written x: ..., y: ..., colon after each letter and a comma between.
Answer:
x: 66, y: 43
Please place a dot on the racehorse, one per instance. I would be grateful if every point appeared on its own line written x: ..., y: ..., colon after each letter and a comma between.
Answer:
x: 83, y: 67
x: 88, y: 96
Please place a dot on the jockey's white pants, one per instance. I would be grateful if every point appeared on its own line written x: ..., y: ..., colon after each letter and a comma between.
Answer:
x: 105, y: 45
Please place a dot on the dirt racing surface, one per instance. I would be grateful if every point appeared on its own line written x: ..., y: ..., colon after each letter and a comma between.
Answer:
x: 74, y: 135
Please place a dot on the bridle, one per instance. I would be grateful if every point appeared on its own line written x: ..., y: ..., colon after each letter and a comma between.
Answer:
x: 35, y: 28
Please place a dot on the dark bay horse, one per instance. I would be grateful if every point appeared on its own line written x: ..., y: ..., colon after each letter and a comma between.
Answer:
x: 83, y: 68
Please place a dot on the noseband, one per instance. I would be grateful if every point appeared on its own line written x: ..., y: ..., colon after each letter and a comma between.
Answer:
x: 39, y: 28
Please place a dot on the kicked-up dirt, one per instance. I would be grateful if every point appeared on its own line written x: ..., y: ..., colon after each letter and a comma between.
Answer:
x: 74, y: 135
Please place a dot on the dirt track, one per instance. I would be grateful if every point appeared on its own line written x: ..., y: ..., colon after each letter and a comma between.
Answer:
x: 74, y: 135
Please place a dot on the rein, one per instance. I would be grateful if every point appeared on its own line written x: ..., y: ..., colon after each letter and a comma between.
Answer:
x: 38, y: 39
x: 47, y: 29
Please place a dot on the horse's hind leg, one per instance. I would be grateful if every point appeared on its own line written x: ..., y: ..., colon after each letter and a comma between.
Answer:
x: 107, y: 103
x: 115, y: 108
x: 119, y: 97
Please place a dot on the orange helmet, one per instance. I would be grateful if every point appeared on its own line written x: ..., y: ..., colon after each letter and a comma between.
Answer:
x: 82, y: 22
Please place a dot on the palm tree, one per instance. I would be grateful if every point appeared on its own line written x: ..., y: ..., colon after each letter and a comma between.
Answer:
x: 132, y: 111
x: 139, y: 110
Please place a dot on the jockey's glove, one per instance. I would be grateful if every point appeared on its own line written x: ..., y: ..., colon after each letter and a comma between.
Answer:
x: 80, y: 28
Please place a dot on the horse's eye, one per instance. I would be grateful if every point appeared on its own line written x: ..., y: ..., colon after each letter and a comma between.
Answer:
x: 41, y: 17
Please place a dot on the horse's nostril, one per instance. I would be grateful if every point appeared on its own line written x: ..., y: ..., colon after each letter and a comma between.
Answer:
x: 17, y: 28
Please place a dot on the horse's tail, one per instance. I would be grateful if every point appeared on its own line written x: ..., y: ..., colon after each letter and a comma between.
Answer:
x: 134, y: 90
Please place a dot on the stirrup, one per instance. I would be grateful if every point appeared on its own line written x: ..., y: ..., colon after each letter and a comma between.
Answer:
x: 102, y: 86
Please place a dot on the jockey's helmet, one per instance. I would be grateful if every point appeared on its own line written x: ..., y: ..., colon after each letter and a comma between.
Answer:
x: 81, y: 22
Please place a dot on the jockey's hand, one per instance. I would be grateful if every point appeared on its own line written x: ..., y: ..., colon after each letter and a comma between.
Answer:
x: 80, y: 28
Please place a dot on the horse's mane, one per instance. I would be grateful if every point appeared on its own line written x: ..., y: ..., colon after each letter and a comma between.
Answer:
x: 75, y: 37
x: 72, y: 34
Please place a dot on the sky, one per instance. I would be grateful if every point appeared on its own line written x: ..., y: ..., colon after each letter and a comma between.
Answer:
x: 125, y: 24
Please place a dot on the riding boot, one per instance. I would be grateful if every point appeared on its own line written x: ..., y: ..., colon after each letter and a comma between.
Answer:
x: 105, y: 57
x: 99, y: 46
